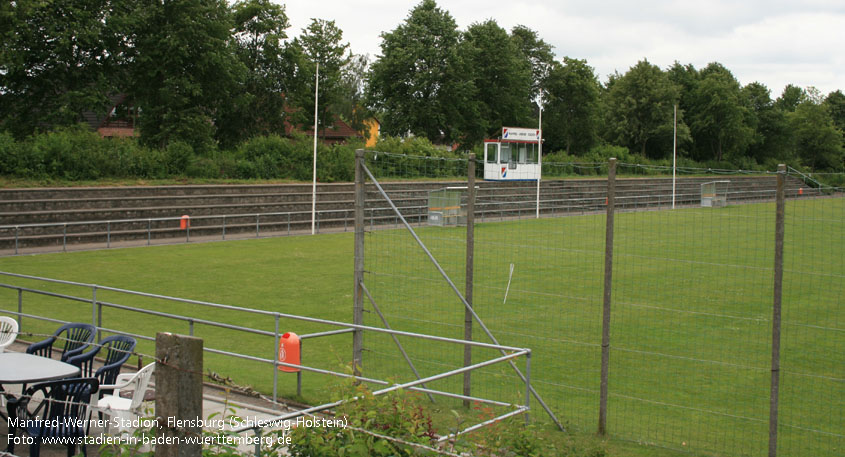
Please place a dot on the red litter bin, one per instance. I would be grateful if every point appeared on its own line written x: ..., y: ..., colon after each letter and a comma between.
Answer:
x: 185, y: 222
x: 289, y: 351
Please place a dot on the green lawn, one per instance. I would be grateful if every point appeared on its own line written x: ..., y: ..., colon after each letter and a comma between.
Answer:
x: 690, y: 330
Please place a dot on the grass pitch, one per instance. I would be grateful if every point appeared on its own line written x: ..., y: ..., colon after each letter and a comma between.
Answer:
x: 690, y: 329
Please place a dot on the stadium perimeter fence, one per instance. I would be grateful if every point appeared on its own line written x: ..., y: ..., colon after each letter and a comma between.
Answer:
x: 712, y: 329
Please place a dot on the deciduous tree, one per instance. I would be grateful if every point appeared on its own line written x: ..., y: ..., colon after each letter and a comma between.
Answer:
x: 321, y: 42
x: 183, y: 69
x: 639, y: 108
x: 718, y: 116
x: 420, y: 81
x: 571, y: 106
x: 817, y: 140
x: 256, y: 106
x: 57, y: 59
x: 502, y: 78
x: 771, y: 140
x: 539, y: 54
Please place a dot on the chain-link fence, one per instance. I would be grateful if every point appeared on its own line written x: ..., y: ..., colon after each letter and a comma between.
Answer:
x: 691, y: 299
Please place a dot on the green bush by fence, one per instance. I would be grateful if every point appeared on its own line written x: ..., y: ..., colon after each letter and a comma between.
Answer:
x: 77, y: 154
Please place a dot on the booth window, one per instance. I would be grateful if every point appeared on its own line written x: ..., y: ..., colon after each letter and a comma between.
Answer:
x: 533, y: 149
x: 491, y: 153
x: 505, y: 153
x: 523, y: 152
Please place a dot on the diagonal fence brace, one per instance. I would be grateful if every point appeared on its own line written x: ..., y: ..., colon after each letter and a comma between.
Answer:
x: 458, y: 292
x: 395, y: 339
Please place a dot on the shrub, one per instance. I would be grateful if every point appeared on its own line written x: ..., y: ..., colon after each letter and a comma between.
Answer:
x: 9, y: 154
x: 179, y: 155
x: 72, y: 153
x: 397, y: 414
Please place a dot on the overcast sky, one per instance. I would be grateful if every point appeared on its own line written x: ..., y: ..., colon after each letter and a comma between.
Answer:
x: 775, y: 42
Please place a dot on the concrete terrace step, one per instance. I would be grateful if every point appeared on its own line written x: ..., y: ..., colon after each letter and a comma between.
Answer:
x: 80, y: 215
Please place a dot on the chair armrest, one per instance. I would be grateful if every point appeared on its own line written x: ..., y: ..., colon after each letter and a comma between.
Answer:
x: 124, y: 377
x: 37, y: 348
x: 123, y: 380
x: 19, y: 405
x: 75, y: 352
x: 110, y: 366
x: 77, y: 359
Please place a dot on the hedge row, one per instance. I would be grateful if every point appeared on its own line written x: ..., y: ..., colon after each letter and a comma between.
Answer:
x: 77, y: 154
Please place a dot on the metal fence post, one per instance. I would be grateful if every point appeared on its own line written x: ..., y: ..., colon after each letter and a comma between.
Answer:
x: 94, y: 305
x: 358, y: 296
x: 17, y: 229
x: 276, y: 360
x: 149, y: 231
x: 527, y: 386
x: 299, y: 372
x: 470, y: 266
x: 64, y: 238
x: 780, y: 214
x: 108, y: 234
x: 20, y: 309
x: 608, y: 283
x: 224, y: 228
x: 99, y: 322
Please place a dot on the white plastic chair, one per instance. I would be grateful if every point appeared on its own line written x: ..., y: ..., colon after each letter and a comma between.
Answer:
x: 126, y: 409
x: 8, y: 332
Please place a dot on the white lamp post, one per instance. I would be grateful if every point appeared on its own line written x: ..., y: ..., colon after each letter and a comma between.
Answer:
x: 314, y: 180
x: 540, y: 154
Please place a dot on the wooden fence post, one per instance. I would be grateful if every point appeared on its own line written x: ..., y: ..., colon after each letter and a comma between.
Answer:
x: 178, y: 387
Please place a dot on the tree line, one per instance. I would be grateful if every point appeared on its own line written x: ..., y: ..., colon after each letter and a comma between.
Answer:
x: 208, y: 77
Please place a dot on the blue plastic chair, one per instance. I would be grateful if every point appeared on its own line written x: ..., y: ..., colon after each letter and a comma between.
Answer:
x: 62, y: 413
x: 74, y: 338
x: 115, y: 351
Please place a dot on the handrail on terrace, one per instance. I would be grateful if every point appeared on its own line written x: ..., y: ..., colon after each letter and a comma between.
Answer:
x: 97, y: 315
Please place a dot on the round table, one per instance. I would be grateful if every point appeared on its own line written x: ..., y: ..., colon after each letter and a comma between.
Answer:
x: 17, y: 368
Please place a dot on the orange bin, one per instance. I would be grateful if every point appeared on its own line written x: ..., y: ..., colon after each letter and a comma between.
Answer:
x: 289, y: 351
x: 185, y: 222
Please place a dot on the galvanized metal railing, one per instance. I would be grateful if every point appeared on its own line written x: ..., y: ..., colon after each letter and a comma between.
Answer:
x: 508, y: 352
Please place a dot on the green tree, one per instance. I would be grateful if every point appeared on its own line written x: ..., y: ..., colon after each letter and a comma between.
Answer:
x: 835, y: 102
x: 571, y: 106
x: 791, y: 97
x: 772, y: 138
x: 183, y: 69
x: 537, y: 52
x: 56, y: 61
x: 817, y: 140
x: 320, y: 43
x: 420, y: 82
x: 256, y: 106
x: 502, y: 78
x: 351, y: 105
x: 639, y: 109
x: 718, y: 116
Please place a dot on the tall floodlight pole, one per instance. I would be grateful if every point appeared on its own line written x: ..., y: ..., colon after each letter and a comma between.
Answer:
x: 539, y: 154
x: 674, y: 153
x: 314, y: 180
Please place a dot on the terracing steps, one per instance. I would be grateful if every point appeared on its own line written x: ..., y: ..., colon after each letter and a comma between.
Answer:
x: 292, y: 203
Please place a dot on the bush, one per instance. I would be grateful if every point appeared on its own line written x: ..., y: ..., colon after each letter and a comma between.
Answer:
x: 9, y: 154
x: 179, y: 155
x: 397, y: 414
